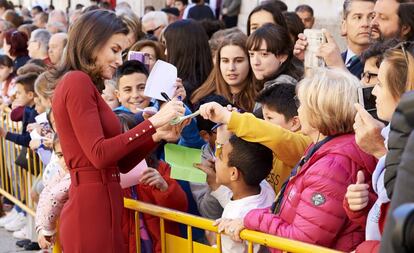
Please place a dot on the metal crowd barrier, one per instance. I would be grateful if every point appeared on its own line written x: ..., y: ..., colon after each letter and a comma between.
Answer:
x: 172, y: 243
x: 16, y: 183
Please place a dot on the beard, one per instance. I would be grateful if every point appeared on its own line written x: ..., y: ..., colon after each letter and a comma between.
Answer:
x: 381, y: 37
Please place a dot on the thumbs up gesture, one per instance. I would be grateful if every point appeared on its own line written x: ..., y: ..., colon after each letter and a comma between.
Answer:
x: 357, y: 194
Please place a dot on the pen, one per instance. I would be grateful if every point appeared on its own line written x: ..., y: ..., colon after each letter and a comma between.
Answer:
x: 165, y: 96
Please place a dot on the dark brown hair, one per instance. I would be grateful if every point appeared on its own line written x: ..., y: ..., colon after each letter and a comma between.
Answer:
x: 12, y: 17
x: 216, y: 83
x: 86, y: 36
x: 27, y: 80
x: 278, y: 42
x: 294, y: 24
x: 272, y: 9
x: 188, y: 50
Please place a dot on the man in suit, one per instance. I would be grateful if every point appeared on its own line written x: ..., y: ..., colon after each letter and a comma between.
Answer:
x: 357, y: 17
x: 355, y: 27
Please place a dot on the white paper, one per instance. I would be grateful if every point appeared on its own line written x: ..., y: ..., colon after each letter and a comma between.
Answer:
x: 41, y: 118
x: 161, y: 79
x: 34, y: 135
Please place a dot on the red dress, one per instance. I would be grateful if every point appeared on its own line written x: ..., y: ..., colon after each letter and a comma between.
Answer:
x: 94, y: 150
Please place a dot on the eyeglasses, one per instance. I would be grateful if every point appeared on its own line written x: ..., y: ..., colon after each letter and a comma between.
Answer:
x: 153, y: 30
x: 297, y: 101
x: 368, y: 75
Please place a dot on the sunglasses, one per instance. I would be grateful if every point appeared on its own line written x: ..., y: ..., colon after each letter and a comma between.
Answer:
x: 153, y: 30
x: 405, y: 46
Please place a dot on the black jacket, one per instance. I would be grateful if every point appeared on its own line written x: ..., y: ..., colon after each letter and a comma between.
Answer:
x: 356, y: 68
x: 399, y: 175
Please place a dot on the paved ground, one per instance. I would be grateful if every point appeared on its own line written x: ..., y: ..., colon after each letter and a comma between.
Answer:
x: 8, y: 243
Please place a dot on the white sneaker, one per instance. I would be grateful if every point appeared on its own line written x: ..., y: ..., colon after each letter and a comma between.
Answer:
x: 22, y: 233
x: 18, y: 223
x: 8, y: 217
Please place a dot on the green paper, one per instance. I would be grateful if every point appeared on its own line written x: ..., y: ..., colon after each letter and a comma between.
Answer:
x: 181, y: 160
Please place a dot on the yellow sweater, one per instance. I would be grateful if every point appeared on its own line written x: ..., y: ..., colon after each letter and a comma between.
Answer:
x: 288, y: 147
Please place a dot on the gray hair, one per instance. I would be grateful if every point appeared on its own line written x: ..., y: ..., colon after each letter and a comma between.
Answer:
x: 158, y: 17
x: 346, y: 7
x: 61, y: 28
x: 42, y: 36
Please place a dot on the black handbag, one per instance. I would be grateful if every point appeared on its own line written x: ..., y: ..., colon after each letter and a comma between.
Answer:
x: 22, y: 161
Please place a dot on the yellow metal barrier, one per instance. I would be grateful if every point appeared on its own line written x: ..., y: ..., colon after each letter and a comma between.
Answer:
x: 172, y: 243
x: 16, y: 182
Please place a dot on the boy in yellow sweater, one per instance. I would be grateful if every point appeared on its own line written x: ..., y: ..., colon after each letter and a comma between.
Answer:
x: 279, y: 130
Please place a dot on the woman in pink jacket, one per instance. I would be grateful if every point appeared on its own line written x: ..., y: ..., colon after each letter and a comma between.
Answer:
x: 309, y: 206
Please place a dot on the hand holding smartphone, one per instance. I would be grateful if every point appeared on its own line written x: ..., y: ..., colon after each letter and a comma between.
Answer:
x: 315, y: 38
x: 367, y: 100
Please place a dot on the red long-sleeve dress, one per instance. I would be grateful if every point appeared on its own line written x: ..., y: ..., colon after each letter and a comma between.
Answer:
x: 94, y: 150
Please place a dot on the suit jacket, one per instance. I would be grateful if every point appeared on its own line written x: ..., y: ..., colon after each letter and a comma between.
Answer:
x: 356, y: 67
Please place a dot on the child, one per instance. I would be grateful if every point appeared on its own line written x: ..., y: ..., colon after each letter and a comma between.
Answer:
x: 181, y: 5
x: 278, y: 108
x: 108, y: 94
x: 156, y: 187
x: 131, y: 79
x: 242, y: 166
x: 24, y: 97
x: 6, y: 76
x: 208, y: 206
x: 52, y: 199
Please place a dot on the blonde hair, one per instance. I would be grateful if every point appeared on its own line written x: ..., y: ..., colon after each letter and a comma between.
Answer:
x: 44, y: 85
x: 328, y: 97
x: 400, y: 74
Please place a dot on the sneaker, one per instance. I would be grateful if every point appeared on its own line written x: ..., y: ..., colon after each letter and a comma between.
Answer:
x: 18, y: 223
x: 8, y: 217
x: 21, y: 243
x: 22, y: 233
x: 32, y: 246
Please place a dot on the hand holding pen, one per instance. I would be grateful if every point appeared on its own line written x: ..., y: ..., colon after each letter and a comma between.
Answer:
x: 171, y: 110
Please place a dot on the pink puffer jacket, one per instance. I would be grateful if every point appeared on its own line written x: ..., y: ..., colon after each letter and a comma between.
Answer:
x: 312, y: 210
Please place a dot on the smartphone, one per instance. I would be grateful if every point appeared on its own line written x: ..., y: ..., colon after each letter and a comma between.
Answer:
x: 139, y: 56
x: 367, y: 100
x: 315, y: 38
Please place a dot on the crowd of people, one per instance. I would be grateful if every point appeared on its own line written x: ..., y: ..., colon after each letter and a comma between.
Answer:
x: 287, y: 150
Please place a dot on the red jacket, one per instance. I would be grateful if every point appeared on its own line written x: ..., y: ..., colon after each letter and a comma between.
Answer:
x: 311, y: 209
x: 174, y: 198
x: 371, y: 246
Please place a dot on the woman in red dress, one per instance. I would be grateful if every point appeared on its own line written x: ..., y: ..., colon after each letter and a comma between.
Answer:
x: 90, y: 133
